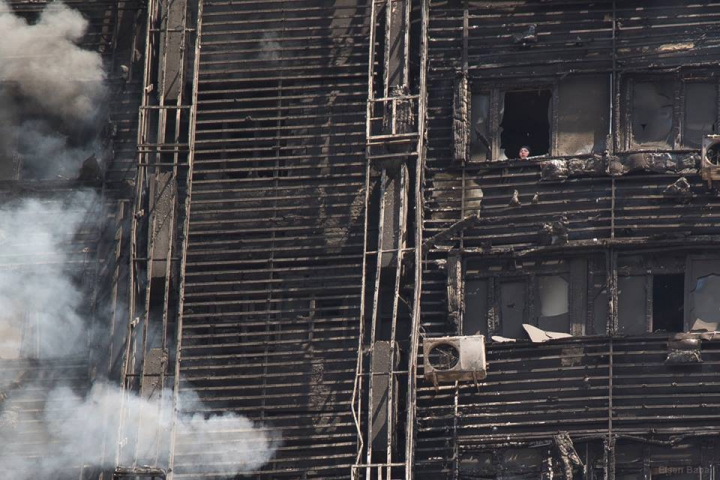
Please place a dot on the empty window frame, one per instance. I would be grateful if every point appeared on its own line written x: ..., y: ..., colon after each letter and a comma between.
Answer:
x: 525, y: 121
x: 583, y: 115
x: 520, y: 117
x: 501, y: 304
x: 650, y: 303
x: 702, y: 301
x: 666, y: 112
x: 700, y: 112
x: 553, y: 292
x: 652, y: 113
x: 475, y: 317
x: 668, y: 293
x: 563, y: 117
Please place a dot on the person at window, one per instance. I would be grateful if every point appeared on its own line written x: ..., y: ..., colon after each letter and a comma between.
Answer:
x: 524, y: 152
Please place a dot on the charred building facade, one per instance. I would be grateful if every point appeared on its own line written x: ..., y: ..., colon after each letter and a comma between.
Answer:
x: 296, y: 239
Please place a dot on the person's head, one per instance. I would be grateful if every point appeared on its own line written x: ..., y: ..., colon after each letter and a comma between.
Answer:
x: 524, y: 152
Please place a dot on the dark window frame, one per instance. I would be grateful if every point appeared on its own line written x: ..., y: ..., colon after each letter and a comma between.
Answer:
x: 680, y: 82
x: 530, y: 277
x: 581, y: 273
x: 495, y: 91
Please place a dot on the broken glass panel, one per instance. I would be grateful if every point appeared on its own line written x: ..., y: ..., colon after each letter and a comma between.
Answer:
x: 553, y: 295
x: 475, y: 317
x: 700, y: 112
x: 554, y: 303
x: 652, y: 113
x: 632, y: 300
x: 706, y: 299
x: 584, y: 108
x: 480, y: 142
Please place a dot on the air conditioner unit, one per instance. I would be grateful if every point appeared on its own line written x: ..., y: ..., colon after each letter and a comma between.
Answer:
x: 448, y: 359
x: 710, y: 164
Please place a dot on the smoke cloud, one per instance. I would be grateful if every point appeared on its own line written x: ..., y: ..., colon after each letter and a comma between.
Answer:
x: 51, y: 90
x: 40, y: 300
x: 44, y: 318
x: 73, y: 427
x: 52, y: 421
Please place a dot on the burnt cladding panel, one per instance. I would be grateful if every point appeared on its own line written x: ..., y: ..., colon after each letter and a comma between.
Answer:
x: 276, y: 226
x: 507, y: 39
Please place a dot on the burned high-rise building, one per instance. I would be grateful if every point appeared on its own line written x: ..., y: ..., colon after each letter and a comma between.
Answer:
x: 432, y: 239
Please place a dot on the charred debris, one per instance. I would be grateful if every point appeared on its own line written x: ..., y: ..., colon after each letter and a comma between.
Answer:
x: 330, y: 239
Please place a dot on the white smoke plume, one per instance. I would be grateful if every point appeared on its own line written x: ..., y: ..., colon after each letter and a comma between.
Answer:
x: 47, y: 65
x: 52, y: 422
x: 51, y: 91
x: 42, y: 319
x: 73, y: 429
x: 40, y: 301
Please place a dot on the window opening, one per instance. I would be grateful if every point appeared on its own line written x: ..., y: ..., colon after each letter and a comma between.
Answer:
x: 554, y: 303
x: 475, y: 317
x: 668, y: 302
x: 553, y: 295
x: 706, y: 301
x: 632, y: 301
x: 583, y: 115
x: 700, y: 112
x: 652, y: 113
x: 480, y: 139
x: 526, y: 121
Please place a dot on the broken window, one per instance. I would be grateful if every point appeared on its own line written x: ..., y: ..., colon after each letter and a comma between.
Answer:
x: 480, y: 139
x: 632, y: 302
x: 476, y: 306
x: 700, y: 112
x: 703, y: 285
x: 553, y: 291
x: 668, y: 303
x: 652, y: 113
x: 705, y: 298
x: 583, y: 115
x: 525, y: 121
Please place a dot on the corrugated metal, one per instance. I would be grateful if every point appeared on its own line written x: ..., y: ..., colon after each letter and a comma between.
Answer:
x: 274, y: 257
x: 571, y: 36
x: 594, y: 385
x: 641, y: 210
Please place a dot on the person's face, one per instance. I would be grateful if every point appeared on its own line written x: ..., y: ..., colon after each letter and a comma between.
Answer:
x: 524, y: 153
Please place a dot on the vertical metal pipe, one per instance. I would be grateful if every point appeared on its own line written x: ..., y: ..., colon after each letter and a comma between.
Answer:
x: 186, y: 230
x: 419, y: 207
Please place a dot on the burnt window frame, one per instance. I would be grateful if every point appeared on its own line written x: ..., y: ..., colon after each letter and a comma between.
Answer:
x: 495, y: 274
x: 494, y: 91
x: 648, y: 268
x: 680, y: 82
x: 582, y: 273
